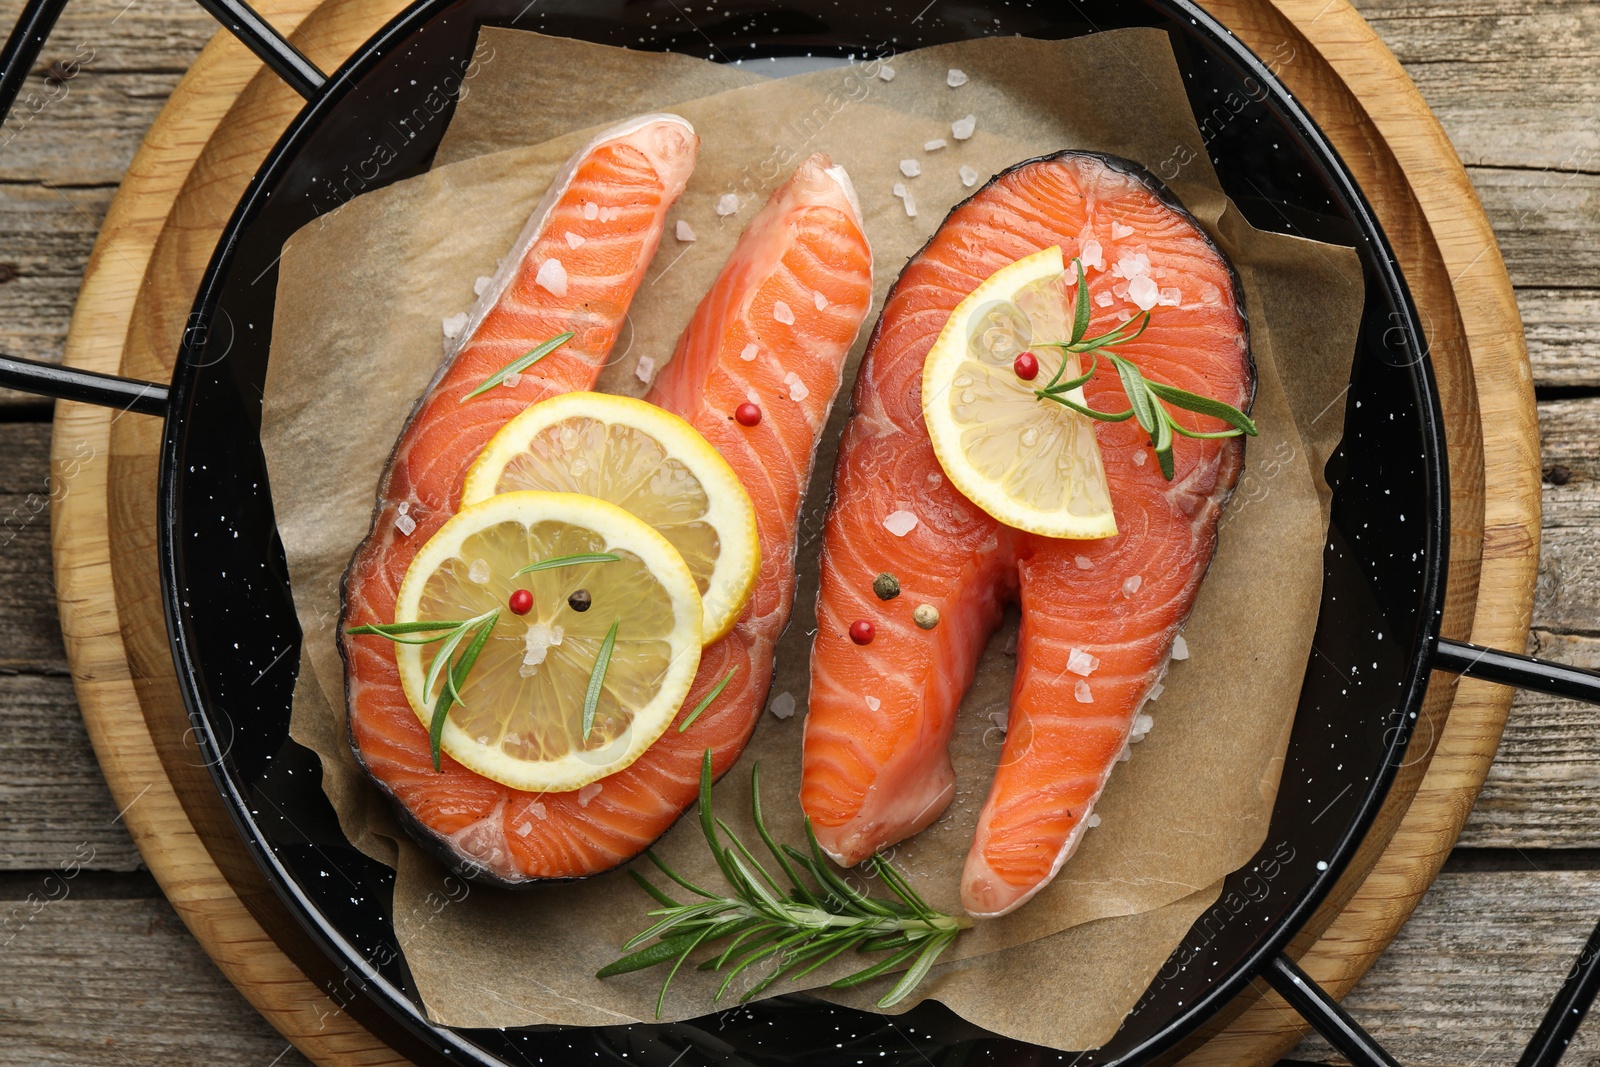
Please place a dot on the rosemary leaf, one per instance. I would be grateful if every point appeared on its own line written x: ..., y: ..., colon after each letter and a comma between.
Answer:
x: 520, y: 364
x: 1203, y: 405
x: 705, y: 701
x: 458, y: 677
x: 1080, y: 318
x: 660, y: 952
x: 883, y: 966
x: 650, y: 887
x: 395, y: 630
x: 917, y: 971
x: 567, y: 561
x: 597, y: 677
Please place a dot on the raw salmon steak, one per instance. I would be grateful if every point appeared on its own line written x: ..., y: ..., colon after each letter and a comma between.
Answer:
x: 1099, y: 617
x: 575, y: 266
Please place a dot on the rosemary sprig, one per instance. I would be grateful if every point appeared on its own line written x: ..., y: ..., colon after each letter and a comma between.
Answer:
x: 520, y: 364
x: 705, y: 701
x: 597, y: 676
x: 445, y: 662
x: 1144, y: 395
x: 793, y: 930
x: 567, y: 561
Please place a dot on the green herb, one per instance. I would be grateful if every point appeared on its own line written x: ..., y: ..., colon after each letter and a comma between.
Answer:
x: 567, y: 561
x: 1144, y: 395
x: 444, y: 664
x: 797, y: 929
x: 520, y: 364
x: 597, y: 675
x: 705, y: 701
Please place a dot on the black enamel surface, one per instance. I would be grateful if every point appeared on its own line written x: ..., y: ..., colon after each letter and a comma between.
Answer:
x: 236, y: 640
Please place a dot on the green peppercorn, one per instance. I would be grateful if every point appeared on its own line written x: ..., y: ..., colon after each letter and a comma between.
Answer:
x: 886, y: 585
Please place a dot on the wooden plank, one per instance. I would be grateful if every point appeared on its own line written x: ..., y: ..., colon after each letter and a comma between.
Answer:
x: 30, y: 633
x: 1470, y: 975
x: 1563, y: 331
x: 148, y: 36
x: 1569, y: 566
x: 114, y: 982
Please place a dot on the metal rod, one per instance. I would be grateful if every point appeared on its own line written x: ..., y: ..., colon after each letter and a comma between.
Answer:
x: 1524, y: 672
x: 1324, y: 1013
x: 88, y: 387
x: 22, y: 48
x: 258, y: 35
x: 1550, y: 1041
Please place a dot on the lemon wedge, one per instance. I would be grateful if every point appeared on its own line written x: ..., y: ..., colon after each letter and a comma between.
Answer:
x: 648, y: 462
x: 1031, y: 464
x: 524, y: 699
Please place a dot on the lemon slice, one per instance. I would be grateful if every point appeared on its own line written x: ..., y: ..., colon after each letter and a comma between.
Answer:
x: 520, y: 721
x: 650, y: 463
x: 1029, y: 463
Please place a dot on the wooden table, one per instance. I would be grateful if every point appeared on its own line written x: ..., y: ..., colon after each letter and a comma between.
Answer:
x: 96, y: 968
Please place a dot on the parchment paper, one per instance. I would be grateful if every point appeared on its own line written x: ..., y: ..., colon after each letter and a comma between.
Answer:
x: 1194, y: 801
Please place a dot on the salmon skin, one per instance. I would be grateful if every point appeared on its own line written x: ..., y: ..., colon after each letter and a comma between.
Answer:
x: 1099, y: 617
x: 774, y: 330
x: 575, y: 266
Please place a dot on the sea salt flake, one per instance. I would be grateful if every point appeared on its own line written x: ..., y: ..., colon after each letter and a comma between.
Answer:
x: 403, y: 507
x: 1010, y: 647
x: 898, y: 189
x: 1120, y: 290
x: 1170, y: 297
x: 481, y: 284
x: 1131, y: 584
x: 886, y: 73
x: 910, y: 168
x: 588, y: 793
x: 956, y: 78
x: 1125, y: 754
x: 524, y: 829
x: 512, y: 380
x: 1000, y: 719
x: 1082, y: 663
x: 1134, y: 266
x: 1140, y: 458
x: 782, y: 312
x: 645, y: 370
x: 683, y: 231
x: 1082, y: 693
x: 454, y: 325
x: 727, y: 204
x: 537, y: 642
x: 1180, y: 648
x: 1093, y: 256
x: 819, y: 300
x: 1156, y: 691
x: 874, y: 703
x: 934, y: 145
x: 478, y: 573
x: 1141, y: 726
x: 797, y: 388
x: 552, y: 277
x: 911, y: 206
x: 900, y: 523
x: 962, y: 128
x: 591, y: 211
x: 574, y: 239
x: 538, y: 811
x: 782, y: 705
x: 1092, y: 821
x: 1103, y: 300
x: 1119, y: 231
x: 405, y: 524
x: 749, y: 352
x: 1084, y: 563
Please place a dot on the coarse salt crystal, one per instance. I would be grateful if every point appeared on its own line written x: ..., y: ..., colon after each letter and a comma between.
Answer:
x: 962, y: 128
x: 1140, y: 457
x: 1103, y: 300
x: 797, y: 388
x: 588, y: 793
x: 910, y: 168
x: 1000, y: 719
x: 1125, y: 754
x: 591, y: 211
x: 955, y: 78
x: 538, y: 811
x: 684, y: 231
x: 886, y: 73
x: 481, y: 284
x: 1119, y: 231
x: 1010, y: 648
x: 1180, y: 648
x: 574, y: 239
x: 749, y: 352
x: 1156, y: 691
x: 934, y: 145
x: 782, y: 705
x: 1081, y: 663
x: 727, y: 204
x: 900, y: 523
x: 1092, y: 821
x: 898, y: 189
x: 1120, y: 290
x: 1143, y: 292
x: 454, y: 325
x: 1131, y: 584
x: 1082, y: 693
x: 874, y: 703
x: 512, y: 380
x: 645, y: 370
x: 552, y: 276
x: 1133, y: 266
x: 782, y: 312
x: 405, y: 524
x: 536, y: 645
x: 1170, y: 298
x: 478, y: 573
x: 1093, y: 255
x: 1084, y: 563
x: 524, y: 829
x: 403, y: 507
x: 911, y: 206
x: 819, y: 300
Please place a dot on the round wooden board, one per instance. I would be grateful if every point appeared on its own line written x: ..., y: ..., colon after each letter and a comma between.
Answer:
x: 153, y: 249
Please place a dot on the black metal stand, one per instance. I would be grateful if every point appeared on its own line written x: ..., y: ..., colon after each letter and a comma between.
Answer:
x: 1548, y: 1043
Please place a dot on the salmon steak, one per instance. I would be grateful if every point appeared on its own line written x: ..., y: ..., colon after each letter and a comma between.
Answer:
x: 773, y: 332
x: 1099, y: 617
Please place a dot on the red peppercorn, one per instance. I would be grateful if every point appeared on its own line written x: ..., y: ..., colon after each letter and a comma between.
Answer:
x: 521, y: 602
x: 1027, y: 366
x: 861, y: 632
x: 747, y: 414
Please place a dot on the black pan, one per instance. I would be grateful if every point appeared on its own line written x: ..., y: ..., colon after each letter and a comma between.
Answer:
x: 230, y: 615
